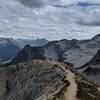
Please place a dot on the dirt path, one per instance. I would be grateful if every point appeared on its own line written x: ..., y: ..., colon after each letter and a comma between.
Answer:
x: 71, y: 92
x: 72, y: 89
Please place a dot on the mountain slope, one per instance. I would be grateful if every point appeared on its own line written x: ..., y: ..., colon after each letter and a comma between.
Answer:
x: 76, y: 52
x: 92, y: 68
x: 9, y: 47
x: 29, y: 52
x: 46, y: 80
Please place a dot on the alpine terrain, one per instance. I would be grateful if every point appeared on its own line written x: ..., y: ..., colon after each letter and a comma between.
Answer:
x: 45, y: 80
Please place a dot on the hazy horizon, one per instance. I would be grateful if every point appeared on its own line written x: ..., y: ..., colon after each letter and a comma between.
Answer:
x: 36, y: 38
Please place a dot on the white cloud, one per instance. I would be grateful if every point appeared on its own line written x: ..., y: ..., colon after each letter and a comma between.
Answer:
x: 49, y: 21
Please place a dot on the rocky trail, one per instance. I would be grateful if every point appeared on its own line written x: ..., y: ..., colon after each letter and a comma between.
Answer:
x: 70, y: 93
x: 47, y: 80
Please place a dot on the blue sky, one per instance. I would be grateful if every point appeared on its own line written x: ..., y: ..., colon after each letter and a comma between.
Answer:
x: 50, y: 19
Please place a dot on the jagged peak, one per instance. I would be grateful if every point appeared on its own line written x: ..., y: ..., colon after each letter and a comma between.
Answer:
x: 27, y: 46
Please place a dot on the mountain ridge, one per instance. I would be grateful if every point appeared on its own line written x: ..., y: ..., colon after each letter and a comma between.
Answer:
x: 76, y: 52
x: 9, y: 47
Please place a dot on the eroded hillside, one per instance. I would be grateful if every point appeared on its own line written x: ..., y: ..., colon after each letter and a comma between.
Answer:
x: 45, y: 80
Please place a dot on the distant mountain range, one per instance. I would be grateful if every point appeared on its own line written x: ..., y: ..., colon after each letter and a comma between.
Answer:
x: 75, y: 52
x: 10, y: 47
x: 32, y: 42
